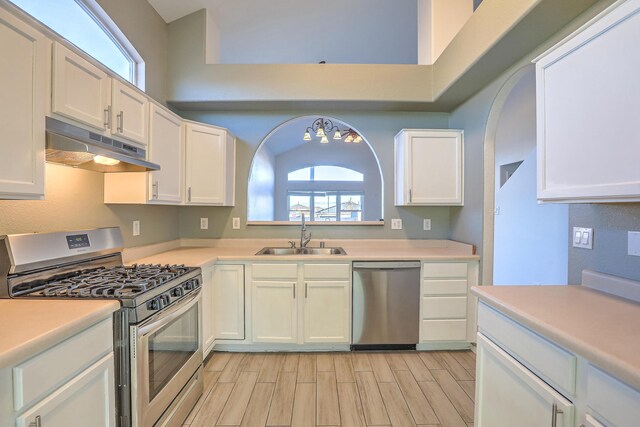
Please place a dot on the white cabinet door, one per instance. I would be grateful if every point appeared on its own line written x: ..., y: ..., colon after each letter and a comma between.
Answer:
x: 86, y: 400
x: 429, y: 167
x: 24, y: 72
x: 508, y: 394
x: 208, y: 311
x: 130, y: 113
x: 228, y: 302
x: 274, y: 311
x: 587, y: 92
x: 210, y: 166
x: 327, y: 311
x: 166, y: 148
x: 80, y: 90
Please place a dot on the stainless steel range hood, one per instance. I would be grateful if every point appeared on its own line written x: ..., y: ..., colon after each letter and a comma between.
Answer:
x: 73, y: 146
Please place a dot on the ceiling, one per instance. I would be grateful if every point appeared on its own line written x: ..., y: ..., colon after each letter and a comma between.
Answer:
x: 307, y: 32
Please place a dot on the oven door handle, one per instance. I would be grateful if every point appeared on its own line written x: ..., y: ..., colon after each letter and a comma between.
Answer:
x: 167, y: 317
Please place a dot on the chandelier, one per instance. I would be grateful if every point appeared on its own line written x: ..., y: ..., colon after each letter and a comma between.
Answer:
x: 323, y: 127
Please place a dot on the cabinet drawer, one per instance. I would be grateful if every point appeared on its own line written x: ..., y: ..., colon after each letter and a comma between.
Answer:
x: 444, y: 307
x: 555, y: 365
x: 616, y: 403
x: 43, y: 373
x: 274, y: 271
x: 445, y: 287
x: 444, y: 330
x: 327, y: 271
x: 444, y: 269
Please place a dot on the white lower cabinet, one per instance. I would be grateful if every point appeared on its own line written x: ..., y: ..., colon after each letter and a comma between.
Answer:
x: 70, y: 384
x: 525, y: 379
x: 327, y: 308
x: 301, y: 303
x: 88, y: 399
x: 208, y: 311
x: 274, y: 311
x: 447, y: 310
x: 508, y: 394
x: 228, y: 302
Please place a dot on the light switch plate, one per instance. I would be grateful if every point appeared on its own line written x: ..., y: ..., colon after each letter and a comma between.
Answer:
x: 236, y: 223
x: 204, y: 223
x: 396, y: 224
x: 136, y: 228
x: 633, y: 243
x: 426, y: 224
x: 582, y: 237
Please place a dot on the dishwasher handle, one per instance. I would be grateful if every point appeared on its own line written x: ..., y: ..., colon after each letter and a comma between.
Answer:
x: 385, y: 265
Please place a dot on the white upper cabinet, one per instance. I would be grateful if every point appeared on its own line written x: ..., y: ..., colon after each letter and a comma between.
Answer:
x: 587, y: 111
x: 80, y: 90
x: 429, y: 168
x: 24, y: 72
x: 166, y: 148
x: 131, y: 111
x: 210, y: 165
x: 89, y: 96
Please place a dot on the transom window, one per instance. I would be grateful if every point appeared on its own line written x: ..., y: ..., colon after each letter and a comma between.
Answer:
x: 326, y: 206
x: 326, y: 173
x: 78, y: 22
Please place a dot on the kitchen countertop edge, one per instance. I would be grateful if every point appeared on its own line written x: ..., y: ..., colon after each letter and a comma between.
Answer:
x: 52, y: 332
x: 599, y: 357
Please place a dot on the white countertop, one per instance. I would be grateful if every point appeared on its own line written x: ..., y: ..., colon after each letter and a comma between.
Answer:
x: 198, y: 256
x: 599, y: 327
x: 31, y: 326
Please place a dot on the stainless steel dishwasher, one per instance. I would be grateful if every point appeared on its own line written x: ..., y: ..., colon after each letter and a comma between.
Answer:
x: 386, y: 305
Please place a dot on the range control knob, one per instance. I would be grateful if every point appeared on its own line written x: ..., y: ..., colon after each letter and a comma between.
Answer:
x: 189, y: 286
x: 165, y: 299
x: 177, y: 292
x: 154, y: 304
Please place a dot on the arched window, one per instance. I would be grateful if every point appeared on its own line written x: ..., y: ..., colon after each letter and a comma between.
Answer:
x: 86, y: 25
x: 326, y: 173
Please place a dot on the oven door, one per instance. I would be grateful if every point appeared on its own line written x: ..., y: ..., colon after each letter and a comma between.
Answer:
x: 166, y: 354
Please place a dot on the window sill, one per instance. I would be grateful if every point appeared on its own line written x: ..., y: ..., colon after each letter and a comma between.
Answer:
x: 318, y: 223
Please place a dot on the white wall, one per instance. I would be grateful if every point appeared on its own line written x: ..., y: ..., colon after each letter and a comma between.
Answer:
x: 261, y: 186
x: 516, y: 132
x: 298, y: 32
x: 530, y: 240
x: 438, y: 23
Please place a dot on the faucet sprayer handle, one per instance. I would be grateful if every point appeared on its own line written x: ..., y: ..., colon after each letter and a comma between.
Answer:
x: 292, y: 243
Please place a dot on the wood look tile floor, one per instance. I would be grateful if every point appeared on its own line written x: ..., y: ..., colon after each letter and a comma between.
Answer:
x: 337, y: 389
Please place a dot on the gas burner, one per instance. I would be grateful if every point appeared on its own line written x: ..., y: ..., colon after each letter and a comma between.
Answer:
x: 122, y: 282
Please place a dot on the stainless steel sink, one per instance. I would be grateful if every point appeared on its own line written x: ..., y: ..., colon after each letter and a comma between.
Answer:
x: 301, y: 251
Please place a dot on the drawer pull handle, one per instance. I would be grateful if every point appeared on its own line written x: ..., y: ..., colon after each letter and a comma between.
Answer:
x: 294, y: 290
x: 554, y: 414
x: 306, y: 285
x: 120, y: 118
x: 37, y: 422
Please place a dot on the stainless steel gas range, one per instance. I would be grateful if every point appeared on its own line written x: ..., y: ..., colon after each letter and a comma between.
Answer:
x: 157, y: 337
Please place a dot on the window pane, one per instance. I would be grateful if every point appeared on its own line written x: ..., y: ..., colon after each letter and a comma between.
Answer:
x: 351, y: 207
x: 71, y: 21
x: 325, y: 206
x: 336, y: 173
x: 299, y: 204
x: 300, y: 175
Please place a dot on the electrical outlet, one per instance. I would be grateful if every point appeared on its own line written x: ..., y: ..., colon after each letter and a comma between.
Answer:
x: 236, y: 223
x: 396, y: 224
x: 204, y: 223
x: 136, y: 228
x: 426, y: 224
